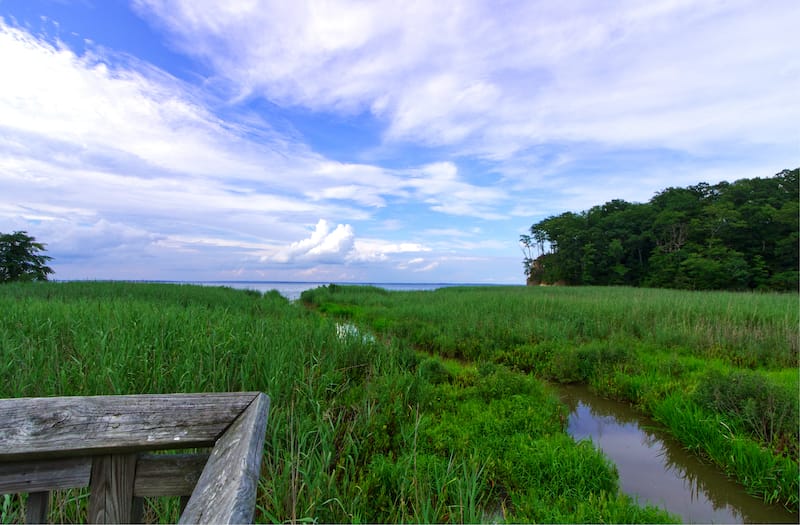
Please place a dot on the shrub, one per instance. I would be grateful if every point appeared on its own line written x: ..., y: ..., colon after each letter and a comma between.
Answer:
x: 526, y: 358
x: 433, y: 371
x: 755, y: 404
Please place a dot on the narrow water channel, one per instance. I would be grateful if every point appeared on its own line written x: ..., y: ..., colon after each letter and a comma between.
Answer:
x: 655, y: 468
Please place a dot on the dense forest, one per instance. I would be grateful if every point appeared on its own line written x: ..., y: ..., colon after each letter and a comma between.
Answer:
x: 738, y: 236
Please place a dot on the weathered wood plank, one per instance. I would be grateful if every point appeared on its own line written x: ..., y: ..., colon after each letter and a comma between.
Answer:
x: 156, y: 475
x: 63, y: 426
x: 137, y: 510
x: 226, y: 491
x: 111, y: 488
x: 44, y: 475
x: 168, y: 474
x: 37, y: 507
x: 42, y: 438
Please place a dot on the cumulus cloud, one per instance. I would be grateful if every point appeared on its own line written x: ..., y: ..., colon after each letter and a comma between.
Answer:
x: 330, y: 245
x: 324, y: 245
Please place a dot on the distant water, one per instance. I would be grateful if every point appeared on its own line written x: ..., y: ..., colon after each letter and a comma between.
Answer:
x: 292, y: 290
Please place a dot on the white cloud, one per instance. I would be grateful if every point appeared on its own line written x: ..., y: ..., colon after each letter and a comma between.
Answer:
x: 518, y: 111
x: 437, y: 184
x: 361, y: 194
x: 116, y: 155
x: 83, y: 101
x: 428, y: 267
x: 495, y: 80
x: 324, y: 245
x: 91, y: 239
x: 339, y: 245
x: 113, y: 126
x: 418, y: 265
x: 440, y: 186
x: 367, y: 250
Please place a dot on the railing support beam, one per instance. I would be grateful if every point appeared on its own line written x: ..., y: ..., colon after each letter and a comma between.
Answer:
x: 111, y: 488
x: 71, y: 442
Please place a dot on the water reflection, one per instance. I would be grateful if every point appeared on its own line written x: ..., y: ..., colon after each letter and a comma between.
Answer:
x: 654, y: 467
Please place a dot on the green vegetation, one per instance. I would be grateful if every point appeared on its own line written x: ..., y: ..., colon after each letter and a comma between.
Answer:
x: 361, y: 428
x: 20, y: 258
x: 741, y: 235
x: 719, y: 369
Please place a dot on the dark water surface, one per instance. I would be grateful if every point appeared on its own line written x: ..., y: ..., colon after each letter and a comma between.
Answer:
x: 655, y: 468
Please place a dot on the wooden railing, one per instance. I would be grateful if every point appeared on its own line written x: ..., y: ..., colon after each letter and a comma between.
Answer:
x: 102, y: 442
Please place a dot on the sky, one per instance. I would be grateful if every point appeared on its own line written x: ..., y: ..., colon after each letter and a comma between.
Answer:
x: 370, y: 141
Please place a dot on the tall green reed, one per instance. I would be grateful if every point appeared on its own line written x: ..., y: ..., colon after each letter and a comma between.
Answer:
x: 639, y: 345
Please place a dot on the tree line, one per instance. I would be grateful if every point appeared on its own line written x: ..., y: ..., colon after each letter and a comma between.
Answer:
x: 740, y: 235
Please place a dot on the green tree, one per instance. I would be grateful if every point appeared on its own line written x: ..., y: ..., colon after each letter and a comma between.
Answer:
x: 21, y: 258
x: 740, y: 235
x: 714, y: 267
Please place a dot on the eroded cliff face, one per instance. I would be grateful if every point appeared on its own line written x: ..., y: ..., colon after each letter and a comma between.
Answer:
x: 534, y: 282
x: 535, y: 276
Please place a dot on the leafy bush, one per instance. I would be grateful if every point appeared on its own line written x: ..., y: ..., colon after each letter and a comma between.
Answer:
x: 433, y: 371
x: 526, y: 358
x: 755, y: 404
x: 581, y: 364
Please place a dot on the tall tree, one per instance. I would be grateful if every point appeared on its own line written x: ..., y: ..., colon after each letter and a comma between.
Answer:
x: 21, y: 258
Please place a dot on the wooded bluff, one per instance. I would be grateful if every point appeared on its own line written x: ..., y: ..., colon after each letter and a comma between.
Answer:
x: 737, y: 236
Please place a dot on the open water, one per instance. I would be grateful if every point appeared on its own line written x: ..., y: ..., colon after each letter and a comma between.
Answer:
x: 292, y: 290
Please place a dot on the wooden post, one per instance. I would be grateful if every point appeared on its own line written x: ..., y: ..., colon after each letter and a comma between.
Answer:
x: 111, y: 486
x: 37, y: 507
x: 226, y: 491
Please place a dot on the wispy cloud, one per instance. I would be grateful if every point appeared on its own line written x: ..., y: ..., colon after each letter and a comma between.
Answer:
x: 102, y: 153
x: 497, y: 79
x: 488, y: 116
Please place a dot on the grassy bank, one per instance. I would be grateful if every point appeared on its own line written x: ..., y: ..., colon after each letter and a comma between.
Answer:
x: 719, y: 369
x: 360, y: 429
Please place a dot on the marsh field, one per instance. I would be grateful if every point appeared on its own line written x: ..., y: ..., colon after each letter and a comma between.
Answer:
x: 430, y: 406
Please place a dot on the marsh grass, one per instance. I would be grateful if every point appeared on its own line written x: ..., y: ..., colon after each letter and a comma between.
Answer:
x: 746, y: 330
x: 732, y: 357
x: 361, y: 428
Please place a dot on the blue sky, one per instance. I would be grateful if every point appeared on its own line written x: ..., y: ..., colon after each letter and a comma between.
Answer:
x: 370, y: 141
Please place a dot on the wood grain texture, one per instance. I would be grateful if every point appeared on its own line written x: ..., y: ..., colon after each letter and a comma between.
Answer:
x: 111, y: 488
x: 63, y: 426
x: 54, y: 443
x: 43, y: 475
x: 226, y: 491
x: 36, y: 507
x: 168, y: 474
x: 137, y: 510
